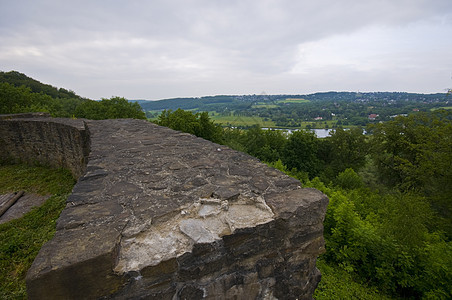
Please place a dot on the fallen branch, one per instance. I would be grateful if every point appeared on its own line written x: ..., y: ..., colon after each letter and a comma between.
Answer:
x: 10, y: 202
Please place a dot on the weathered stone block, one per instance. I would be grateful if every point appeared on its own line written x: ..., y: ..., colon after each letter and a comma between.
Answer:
x: 163, y: 215
x: 56, y: 142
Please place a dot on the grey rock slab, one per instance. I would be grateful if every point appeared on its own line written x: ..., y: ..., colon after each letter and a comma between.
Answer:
x: 158, y: 213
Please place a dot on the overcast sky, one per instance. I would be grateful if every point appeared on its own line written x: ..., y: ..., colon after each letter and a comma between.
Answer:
x: 155, y: 49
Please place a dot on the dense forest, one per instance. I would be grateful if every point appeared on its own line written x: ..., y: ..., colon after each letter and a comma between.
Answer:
x: 20, y: 93
x: 388, y: 225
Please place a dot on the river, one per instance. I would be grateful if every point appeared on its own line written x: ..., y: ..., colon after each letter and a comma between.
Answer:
x: 320, y: 133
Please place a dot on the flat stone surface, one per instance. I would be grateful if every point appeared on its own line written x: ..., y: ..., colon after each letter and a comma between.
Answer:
x: 133, y: 180
x: 23, y: 205
x: 163, y: 214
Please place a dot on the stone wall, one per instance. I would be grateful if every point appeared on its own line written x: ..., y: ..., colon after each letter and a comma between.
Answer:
x: 160, y: 214
x: 34, y: 138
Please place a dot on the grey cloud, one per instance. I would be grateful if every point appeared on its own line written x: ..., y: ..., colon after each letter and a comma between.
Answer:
x: 150, y: 41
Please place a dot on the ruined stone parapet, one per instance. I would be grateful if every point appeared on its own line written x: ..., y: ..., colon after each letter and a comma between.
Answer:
x: 36, y: 138
x: 161, y: 214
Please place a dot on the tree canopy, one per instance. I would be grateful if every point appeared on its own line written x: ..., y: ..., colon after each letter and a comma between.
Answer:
x: 19, y: 94
x: 114, y: 108
x: 198, y: 124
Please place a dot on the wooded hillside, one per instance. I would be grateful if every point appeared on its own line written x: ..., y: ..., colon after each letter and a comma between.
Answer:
x: 20, y: 93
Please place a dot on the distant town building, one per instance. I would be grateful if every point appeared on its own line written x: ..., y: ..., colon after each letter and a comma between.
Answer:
x: 373, y: 117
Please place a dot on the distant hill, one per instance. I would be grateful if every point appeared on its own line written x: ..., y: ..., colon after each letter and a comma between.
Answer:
x: 18, y: 79
x: 318, y: 110
x: 203, y: 103
x: 20, y: 93
x: 240, y: 102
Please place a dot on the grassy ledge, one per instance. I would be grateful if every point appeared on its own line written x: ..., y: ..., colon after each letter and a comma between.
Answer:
x: 21, y: 239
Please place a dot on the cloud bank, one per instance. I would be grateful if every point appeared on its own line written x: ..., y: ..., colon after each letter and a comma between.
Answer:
x: 159, y: 49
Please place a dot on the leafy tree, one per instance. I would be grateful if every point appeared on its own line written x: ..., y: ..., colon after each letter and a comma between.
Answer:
x: 387, y: 241
x: 208, y: 129
x: 19, y: 93
x: 180, y: 120
x: 348, y: 149
x: 13, y: 99
x: 300, y: 152
x: 266, y: 145
x: 413, y: 154
x: 198, y: 124
x: 119, y: 107
x: 21, y: 99
x: 113, y: 108
x: 90, y: 110
x: 18, y: 79
x: 349, y: 180
x: 254, y: 141
x: 234, y: 138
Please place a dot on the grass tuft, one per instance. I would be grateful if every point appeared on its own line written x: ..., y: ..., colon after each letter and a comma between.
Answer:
x: 21, y: 239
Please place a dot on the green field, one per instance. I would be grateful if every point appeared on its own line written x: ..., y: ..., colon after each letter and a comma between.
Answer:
x: 294, y: 100
x: 241, y: 120
x: 444, y: 107
x: 262, y: 105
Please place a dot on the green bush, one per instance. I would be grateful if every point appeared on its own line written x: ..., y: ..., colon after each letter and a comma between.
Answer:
x: 349, y: 180
x: 386, y: 240
x: 114, y: 108
x: 198, y: 124
x: 338, y: 284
